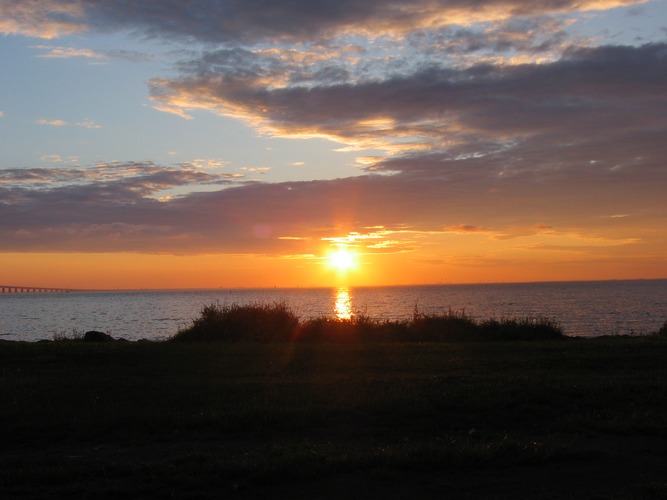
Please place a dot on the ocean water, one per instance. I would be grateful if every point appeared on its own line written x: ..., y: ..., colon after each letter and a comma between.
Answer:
x: 582, y: 308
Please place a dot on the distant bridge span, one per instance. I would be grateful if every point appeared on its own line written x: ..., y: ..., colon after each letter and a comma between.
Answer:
x: 32, y: 289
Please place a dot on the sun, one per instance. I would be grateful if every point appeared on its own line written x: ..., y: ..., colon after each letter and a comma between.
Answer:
x: 342, y: 259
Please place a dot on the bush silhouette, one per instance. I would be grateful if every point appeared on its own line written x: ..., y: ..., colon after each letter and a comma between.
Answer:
x: 277, y: 322
x: 258, y: 322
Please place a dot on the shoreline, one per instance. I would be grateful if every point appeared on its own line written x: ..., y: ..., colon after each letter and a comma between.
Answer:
x: 631, y: 308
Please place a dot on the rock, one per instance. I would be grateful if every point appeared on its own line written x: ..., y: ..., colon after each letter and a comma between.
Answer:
x: 94, y: 336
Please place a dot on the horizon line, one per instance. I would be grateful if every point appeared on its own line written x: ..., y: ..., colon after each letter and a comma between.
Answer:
x: 305, y: 287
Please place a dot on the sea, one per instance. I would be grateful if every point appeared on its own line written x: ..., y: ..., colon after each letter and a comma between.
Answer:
x: 583, y: 309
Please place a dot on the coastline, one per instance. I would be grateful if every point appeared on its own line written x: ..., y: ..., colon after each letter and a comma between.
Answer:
x: 583, y: 309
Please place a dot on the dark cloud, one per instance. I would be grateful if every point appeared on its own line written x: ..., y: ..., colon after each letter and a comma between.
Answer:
x: 235, y: 63
x: 491, y: 148
x: 514, y: 149
x: 109, y: 207
x: 145, y: 178
x: 464, y: 196
x: 604, y: 97
x: 531, y: 35
x: 250, y: 21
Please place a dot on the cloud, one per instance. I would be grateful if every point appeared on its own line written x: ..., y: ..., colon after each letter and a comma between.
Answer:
x: 52, y: 158
x: 61, y: 123
x: 483, y: 118
x: 229, y: 21
x: 118, y: 207
x: 52, y: 123
x: 60, y: 52
x: 466, y: 229
x: 41, y: 18
x: 260, y: 170
x: 522, y: 231
x: 88, y: 124
x: 143, y: 178
x: 54, y: 52
x: 577, y: 108
x: 523, y: 155
x: 204, y: 163
x: 536, y: 37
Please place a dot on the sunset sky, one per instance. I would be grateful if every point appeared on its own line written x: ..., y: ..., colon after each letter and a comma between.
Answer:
x: 239, y: 143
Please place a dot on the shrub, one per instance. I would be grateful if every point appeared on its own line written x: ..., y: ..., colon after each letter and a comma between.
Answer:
x: 452, y: 325
x: 277, y: 322
x: 325, y: 328
x: 531, y: 328
x: 65, y: 336
x: 259, y: 322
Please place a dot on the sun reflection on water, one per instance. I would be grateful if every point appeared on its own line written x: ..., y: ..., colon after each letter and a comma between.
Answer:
x: 343, y: 304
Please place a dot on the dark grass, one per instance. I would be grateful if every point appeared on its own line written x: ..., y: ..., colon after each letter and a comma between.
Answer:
x: 542, y: 419
x: 277, y: 322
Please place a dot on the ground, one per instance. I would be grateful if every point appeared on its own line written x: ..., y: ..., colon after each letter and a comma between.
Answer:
x: 549, y: 419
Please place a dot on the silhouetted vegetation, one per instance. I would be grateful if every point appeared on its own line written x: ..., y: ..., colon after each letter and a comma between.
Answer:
x: 506, y: 420
x: 423, y: 407
x: 662, y: 333
x: 256, y: 322
x: 79, y: 336
x: 277, y: 322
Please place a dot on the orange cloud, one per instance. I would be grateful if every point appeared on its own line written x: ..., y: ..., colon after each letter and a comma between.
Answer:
x: 53, y: 123
x: 41, y: 18
x: 466, y: 228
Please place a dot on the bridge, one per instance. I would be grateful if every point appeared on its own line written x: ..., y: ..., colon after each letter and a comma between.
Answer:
x: 31, y: 289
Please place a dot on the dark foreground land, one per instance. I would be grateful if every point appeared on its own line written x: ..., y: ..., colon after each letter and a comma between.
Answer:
x: 543, y: 419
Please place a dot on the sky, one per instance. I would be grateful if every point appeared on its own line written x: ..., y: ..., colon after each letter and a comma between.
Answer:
x: 258, y: 143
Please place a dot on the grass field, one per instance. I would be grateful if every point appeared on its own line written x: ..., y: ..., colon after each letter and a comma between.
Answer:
x: 566, y: 418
